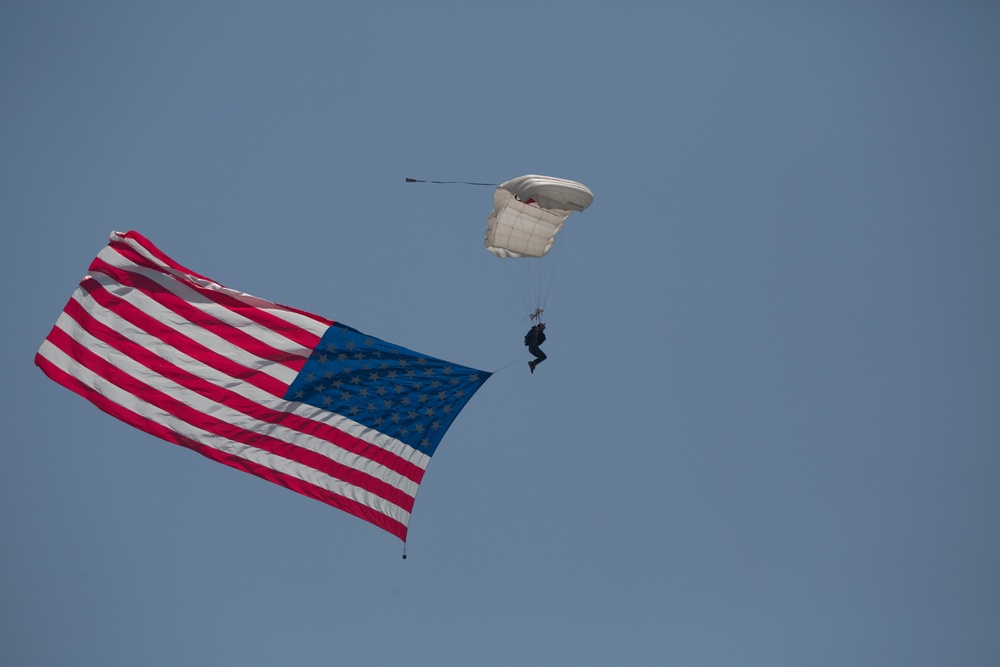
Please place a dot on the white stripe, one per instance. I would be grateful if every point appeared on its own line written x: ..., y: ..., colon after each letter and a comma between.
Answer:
x: 220, y: 410
x: 247, y: 452
x: 237, y: 355
x: 273, y: 337
x: 184, y: 327
x: 313, y: 325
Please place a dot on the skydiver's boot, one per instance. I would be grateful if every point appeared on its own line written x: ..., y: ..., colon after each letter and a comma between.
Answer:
x: 531, y: 365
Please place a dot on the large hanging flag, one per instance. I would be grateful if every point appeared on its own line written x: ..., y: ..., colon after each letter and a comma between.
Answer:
x: 294, y: 398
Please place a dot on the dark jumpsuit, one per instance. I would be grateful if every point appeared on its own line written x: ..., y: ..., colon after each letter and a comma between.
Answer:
x: 535, y: 338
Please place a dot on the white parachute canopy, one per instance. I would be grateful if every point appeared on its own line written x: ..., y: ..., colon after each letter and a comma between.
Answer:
x: 529, y: 211
x: 527, y: 214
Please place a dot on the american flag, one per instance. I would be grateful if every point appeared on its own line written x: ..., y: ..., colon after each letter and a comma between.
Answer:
x: 294, y: 398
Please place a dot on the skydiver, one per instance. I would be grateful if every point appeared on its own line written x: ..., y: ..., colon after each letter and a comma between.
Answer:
x: 534, y: 338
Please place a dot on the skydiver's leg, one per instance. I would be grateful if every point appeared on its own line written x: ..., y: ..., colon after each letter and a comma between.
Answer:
x: 539, y: 355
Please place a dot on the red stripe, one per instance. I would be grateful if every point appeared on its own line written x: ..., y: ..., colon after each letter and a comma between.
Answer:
x: 182, y: 307
x: 153, y: 428
x: 246, y: 309
x: 148, y: 246
x: 172, y: 337
x: 223, y: 364
x: 236, y: 401
x: 224, y: 429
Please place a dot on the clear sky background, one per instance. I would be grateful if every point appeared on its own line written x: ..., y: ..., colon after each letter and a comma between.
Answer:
x: 769, y: 429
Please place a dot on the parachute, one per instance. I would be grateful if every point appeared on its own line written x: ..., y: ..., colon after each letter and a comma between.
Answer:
x: 528, y: 213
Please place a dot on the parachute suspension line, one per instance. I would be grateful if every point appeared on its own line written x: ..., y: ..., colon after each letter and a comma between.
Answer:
x: 543, y: 280
x: 522, y: 283
x: 553, y: 264
x: 546, y: 269
x: 533, y: 278
x: 415, y: 180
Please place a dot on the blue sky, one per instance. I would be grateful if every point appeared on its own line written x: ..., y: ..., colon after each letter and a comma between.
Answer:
x: 767, y: 432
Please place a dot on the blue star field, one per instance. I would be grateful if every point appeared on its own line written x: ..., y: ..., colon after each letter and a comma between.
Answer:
x: 406, y: 395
